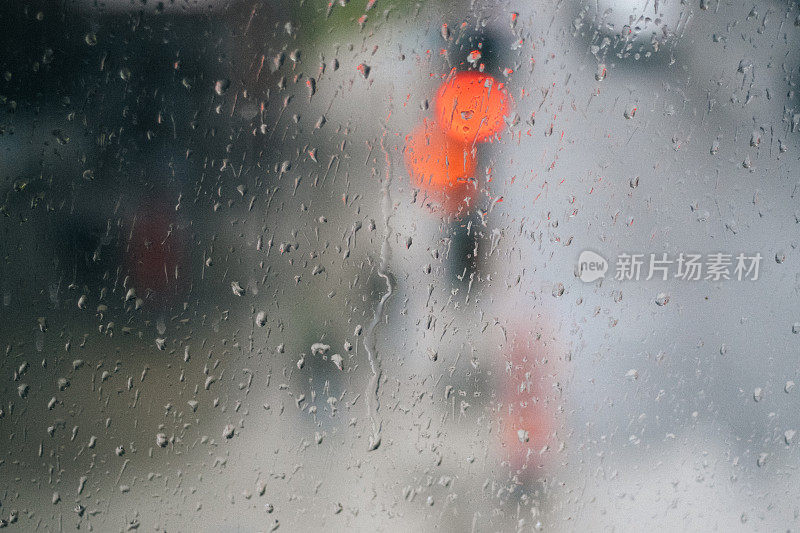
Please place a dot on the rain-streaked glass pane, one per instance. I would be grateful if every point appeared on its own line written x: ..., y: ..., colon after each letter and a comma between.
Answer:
x: 398, y: 265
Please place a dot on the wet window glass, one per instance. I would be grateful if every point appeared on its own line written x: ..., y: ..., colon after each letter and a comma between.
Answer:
x: 460, y: 265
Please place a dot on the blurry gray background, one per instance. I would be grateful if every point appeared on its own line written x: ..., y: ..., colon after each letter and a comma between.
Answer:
x: 206, y: 207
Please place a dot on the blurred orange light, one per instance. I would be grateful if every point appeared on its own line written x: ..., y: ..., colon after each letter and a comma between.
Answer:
x: 439, y: 165
x: 471, y: 106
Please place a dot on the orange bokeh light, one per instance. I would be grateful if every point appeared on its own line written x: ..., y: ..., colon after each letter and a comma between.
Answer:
x: 472, y: 106
x: 439, y: 165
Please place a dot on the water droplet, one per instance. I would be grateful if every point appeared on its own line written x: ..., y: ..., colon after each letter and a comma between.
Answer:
x: 558, y: 290
x: 236, y: 288
x: 319, y: 349
x: 221, y: 86
x: 758, y: 394
x: 601, y: 72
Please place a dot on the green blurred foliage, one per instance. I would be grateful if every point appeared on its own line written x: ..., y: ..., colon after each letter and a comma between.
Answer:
x: 324, y: 19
